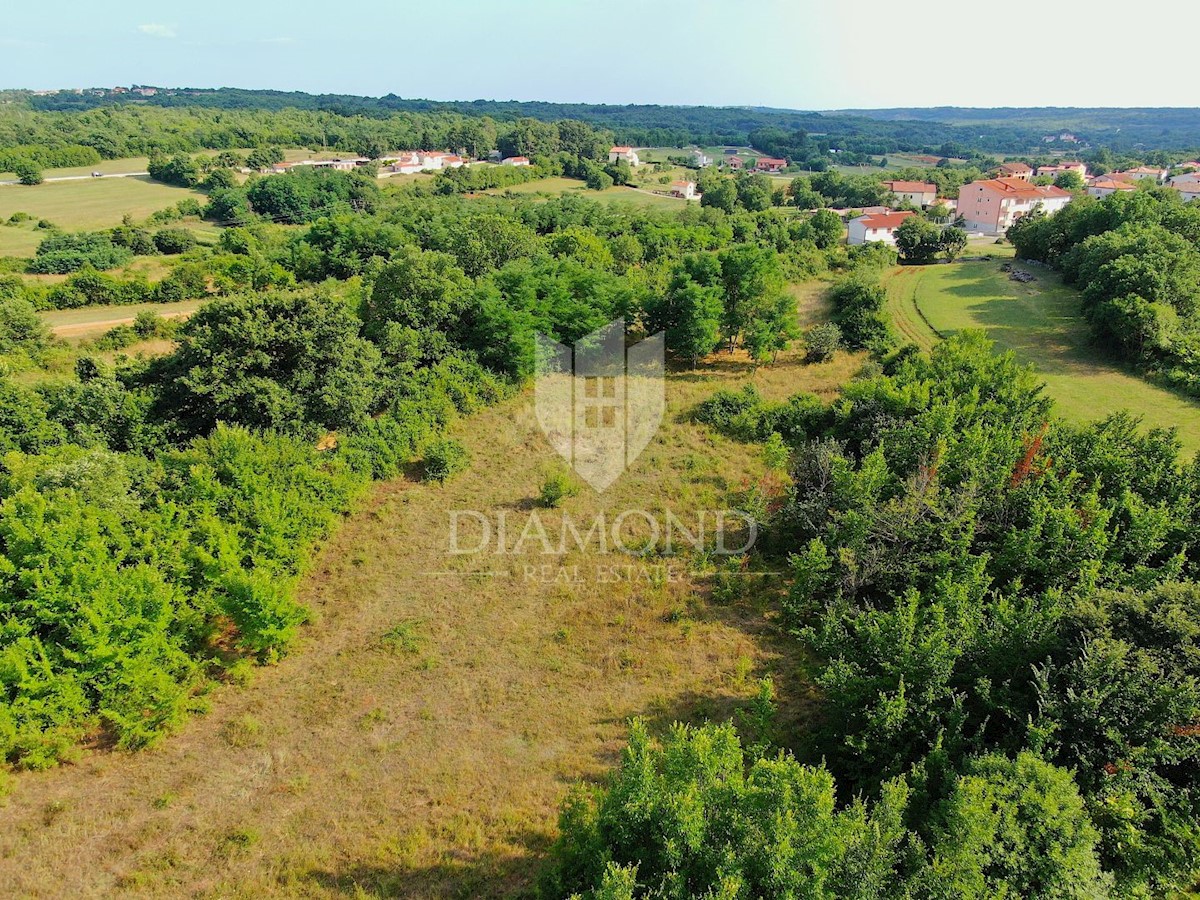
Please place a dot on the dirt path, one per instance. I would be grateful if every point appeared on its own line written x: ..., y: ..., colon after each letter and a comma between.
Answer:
x: 77, y: 329
x: 420, y: 739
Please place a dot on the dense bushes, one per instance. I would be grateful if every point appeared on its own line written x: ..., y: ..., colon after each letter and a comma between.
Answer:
x: 62, y: 253
x: 859, y: 299
x: 698, y: 816
x: 975, y: 578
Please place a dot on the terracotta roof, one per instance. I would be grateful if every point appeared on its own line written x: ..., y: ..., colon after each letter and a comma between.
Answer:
x: 681, y: 183
x: 1015, y: 167
x: 912, y: 187
x: 1146, y: 170
x: 1107, y: 184
x: 1018, y: 187
x: 885, y: 220
x: 771, y: 160
x: 620, y: 149
x: 1188, y: 188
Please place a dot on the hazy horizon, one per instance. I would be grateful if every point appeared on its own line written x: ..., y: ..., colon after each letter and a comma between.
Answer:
x: 804, y: 55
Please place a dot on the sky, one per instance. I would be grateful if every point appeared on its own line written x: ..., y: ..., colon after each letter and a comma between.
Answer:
x: 801, y: 54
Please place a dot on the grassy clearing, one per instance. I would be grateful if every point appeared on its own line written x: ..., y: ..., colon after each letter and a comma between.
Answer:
x: 90, y: 322
x: 1040, y: 322
x: 80, y: 205
x: 557, y: 186
x: 420, y: 740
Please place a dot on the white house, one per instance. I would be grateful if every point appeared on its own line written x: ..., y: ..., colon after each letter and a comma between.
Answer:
x: 918, y: 193
x: 685, y: 190
x: 1057, y: 169
x: 1102, y: 187
x: 1143, y: 172
x: 1188, y: 191
x: 515, y: 161
x: 700, y: 159
x: 626, y: 153
x: 1016, y: 170
x: 992, y: 205
x: 876, y: 227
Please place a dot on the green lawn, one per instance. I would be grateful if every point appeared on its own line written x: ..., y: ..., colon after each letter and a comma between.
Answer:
x: 1040, y: 323
x: 80, y: 205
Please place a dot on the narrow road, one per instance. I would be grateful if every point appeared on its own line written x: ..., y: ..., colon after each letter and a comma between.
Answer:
x: 83, y: 177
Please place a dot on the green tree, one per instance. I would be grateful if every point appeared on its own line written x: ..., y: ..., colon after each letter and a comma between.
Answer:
x: 291, y: 362
x: 1069, y: 180
x: 696, y: 816
x: 918, y: 240
x: 1016, y: 828
x: 27, y: 173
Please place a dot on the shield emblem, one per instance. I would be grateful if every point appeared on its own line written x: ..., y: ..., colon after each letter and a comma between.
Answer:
x: 599, y: 402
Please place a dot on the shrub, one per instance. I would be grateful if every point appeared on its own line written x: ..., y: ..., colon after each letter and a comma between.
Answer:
x: 28, y: 173
x: 556, y: 488
x: 445, y: 458
x: 174, y: 240
x: 821, y: 342
x: 61, y: 254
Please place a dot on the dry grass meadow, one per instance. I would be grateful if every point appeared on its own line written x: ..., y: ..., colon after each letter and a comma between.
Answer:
x: 419, y: 740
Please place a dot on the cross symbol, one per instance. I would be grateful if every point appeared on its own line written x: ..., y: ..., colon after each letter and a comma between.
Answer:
x: 600, y: 401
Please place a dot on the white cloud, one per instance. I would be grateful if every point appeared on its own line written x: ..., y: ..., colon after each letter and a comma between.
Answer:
x: 158, y: 31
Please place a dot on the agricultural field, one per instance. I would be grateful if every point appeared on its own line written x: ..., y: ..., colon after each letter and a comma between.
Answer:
x: 420, y: 739
x: 1040, y: 323
x: 80, y: 205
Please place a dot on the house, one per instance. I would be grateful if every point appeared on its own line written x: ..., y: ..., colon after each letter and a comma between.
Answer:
x: 877, y: 227
x: 1102, y: 187
x: 685, y: 190
x: 339, y: 165
x: 918, y: 193
x: 734, y: 162
x: 404, y: 163
x: 700, y: 159
x: 1144, y: 172
x: 992, y: 205
x: 626, y: 153
x: 769, y: 164
x: 1053, y: 171
x: 845, y: 212
x: 1185, y: 178
x: 515, y: 161
x: 1189, y: 191
x: 1016, y: 170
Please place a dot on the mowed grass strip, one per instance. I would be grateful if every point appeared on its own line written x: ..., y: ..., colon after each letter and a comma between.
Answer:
x: 92, y: 321
x: 1040, y: 322
x: 419, y: 741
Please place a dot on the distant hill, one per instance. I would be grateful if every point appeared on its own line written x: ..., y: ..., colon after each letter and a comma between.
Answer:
x: 1124, y: 128
x: 954, y: 131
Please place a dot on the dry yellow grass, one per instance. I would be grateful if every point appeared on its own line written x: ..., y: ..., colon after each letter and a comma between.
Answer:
x: 419, y: 741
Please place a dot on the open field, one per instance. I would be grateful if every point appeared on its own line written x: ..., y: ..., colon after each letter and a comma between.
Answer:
x: 1041, y: 324
x: 80, y: 205
x: 556, y: 186
x: 420, y: 739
